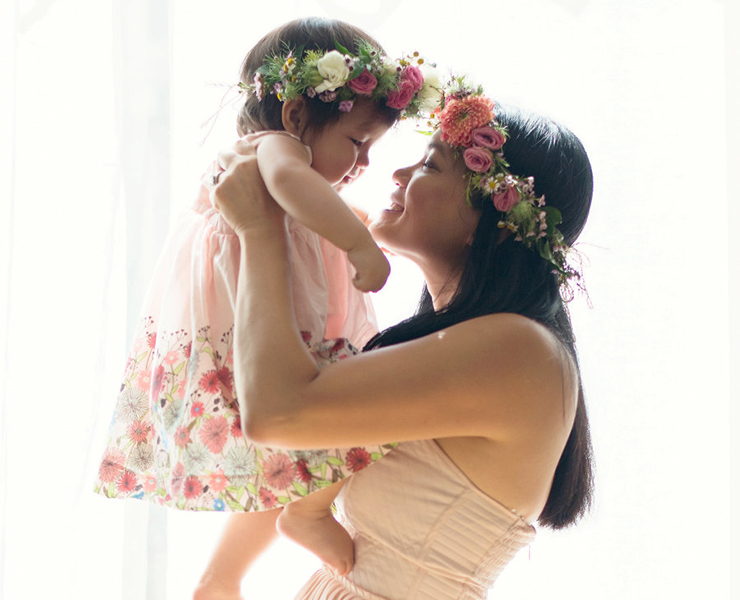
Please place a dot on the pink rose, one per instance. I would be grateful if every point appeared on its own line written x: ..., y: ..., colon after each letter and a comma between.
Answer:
x: 478, y: 159
x: 488, y: 137
x: 506, y: 200
x: 414, y: 75
x: 364, y: 84
x: 400, y: 98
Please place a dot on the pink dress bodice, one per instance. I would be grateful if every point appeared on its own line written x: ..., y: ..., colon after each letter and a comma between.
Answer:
x: 422, y: 531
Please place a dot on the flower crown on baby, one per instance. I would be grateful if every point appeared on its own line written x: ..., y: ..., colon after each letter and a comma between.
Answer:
x: 465, y: 117
x: 408, y: 84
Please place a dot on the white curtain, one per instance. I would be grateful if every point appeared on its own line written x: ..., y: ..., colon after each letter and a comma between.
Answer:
x: 100, y: 146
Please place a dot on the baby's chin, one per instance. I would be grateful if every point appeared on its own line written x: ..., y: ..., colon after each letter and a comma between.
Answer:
x: 347, y: 180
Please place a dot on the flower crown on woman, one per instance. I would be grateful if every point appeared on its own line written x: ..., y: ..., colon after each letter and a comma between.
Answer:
x: 408, y: 84
x: 466, y: 119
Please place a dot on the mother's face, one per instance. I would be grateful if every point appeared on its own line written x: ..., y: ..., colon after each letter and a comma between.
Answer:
x: 428, y: 220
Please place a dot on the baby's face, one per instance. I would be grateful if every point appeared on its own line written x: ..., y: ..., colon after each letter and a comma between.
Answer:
x: 340, y: 149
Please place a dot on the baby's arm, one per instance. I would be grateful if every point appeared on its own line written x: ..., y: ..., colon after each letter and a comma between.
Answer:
x: 307, y: 197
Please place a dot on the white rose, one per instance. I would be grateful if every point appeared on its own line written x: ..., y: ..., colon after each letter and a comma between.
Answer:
x: 333, y: 68
x: 430, y: 94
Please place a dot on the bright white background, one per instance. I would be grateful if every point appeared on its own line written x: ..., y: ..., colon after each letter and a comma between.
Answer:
x: 100, y: 114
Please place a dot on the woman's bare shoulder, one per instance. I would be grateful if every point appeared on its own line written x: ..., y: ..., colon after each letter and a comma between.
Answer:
x: 504, y: 333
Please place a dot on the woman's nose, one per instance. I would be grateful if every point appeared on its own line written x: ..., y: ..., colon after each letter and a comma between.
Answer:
x: 401, y: 176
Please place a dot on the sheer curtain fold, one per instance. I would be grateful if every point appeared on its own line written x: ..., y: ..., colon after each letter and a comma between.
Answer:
x: 8, y: 20
x: 85, y: 176
x: 142, y: 50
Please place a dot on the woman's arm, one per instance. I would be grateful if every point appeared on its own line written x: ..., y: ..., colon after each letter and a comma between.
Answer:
x: 307, y: 197
x: 494, y: 376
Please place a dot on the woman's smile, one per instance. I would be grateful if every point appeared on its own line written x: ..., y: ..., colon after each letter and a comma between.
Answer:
x: 397, y: 204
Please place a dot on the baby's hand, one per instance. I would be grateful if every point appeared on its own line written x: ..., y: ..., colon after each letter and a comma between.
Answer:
x: 371, y: 265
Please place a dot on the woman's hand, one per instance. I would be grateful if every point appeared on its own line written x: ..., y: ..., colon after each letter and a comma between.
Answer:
x: 240, y: 194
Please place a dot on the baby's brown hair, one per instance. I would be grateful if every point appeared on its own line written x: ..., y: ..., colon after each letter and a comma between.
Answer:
x: 311, y: 33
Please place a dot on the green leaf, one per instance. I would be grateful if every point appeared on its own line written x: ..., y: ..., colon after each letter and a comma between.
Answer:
x: 235, y: 506
x: 376, y: 455
x: 302, y: 491
x: 341, y: 48
x: 179, y: 367
x: 322, y: 483
x: 546, y: 253
x: 553, y: 215
x: 252, y: 490
x: 333, y: 460
x: 283, y: 499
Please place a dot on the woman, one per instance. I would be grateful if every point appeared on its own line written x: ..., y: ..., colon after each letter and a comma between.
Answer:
x: 481, y: 387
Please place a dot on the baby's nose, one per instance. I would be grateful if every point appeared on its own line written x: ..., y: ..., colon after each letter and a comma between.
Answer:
x: 363, y: 160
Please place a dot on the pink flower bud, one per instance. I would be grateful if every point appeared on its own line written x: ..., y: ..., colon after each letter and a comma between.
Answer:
x: 506, y: 200
x: 400, y: 98
x: 488, y: 137
x: 415, y: 76
x: 478, y: 159
x: 364, y: 84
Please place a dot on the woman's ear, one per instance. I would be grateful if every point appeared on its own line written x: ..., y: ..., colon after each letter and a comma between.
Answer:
x: 295, y: 116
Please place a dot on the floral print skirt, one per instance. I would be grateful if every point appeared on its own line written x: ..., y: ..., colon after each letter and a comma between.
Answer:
x: 175, y: 437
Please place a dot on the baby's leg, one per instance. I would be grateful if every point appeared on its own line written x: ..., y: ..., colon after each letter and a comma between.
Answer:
x: 245, y: 537
x: 310, y: 523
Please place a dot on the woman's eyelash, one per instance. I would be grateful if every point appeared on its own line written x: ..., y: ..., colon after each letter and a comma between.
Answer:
x: 356, y: 142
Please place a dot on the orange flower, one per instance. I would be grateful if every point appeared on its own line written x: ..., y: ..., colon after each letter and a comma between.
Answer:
x: 111, y: 465
x: 214, y: 434
x: 268, y: 499
x: 192, y: 488
x: 358, y: 459
x: 279, y: 471
x: 461, y: 116
x: 217, y: 481
x: 127, y: 482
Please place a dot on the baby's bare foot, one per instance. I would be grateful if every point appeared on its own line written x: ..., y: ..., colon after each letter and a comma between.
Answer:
x: 321, y: 534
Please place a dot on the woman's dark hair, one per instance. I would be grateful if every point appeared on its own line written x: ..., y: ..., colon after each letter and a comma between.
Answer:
x: 504, y: 276
x: 312, y: 33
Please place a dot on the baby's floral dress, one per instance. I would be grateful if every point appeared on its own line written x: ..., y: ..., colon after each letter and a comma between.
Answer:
x: 175, y: 438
